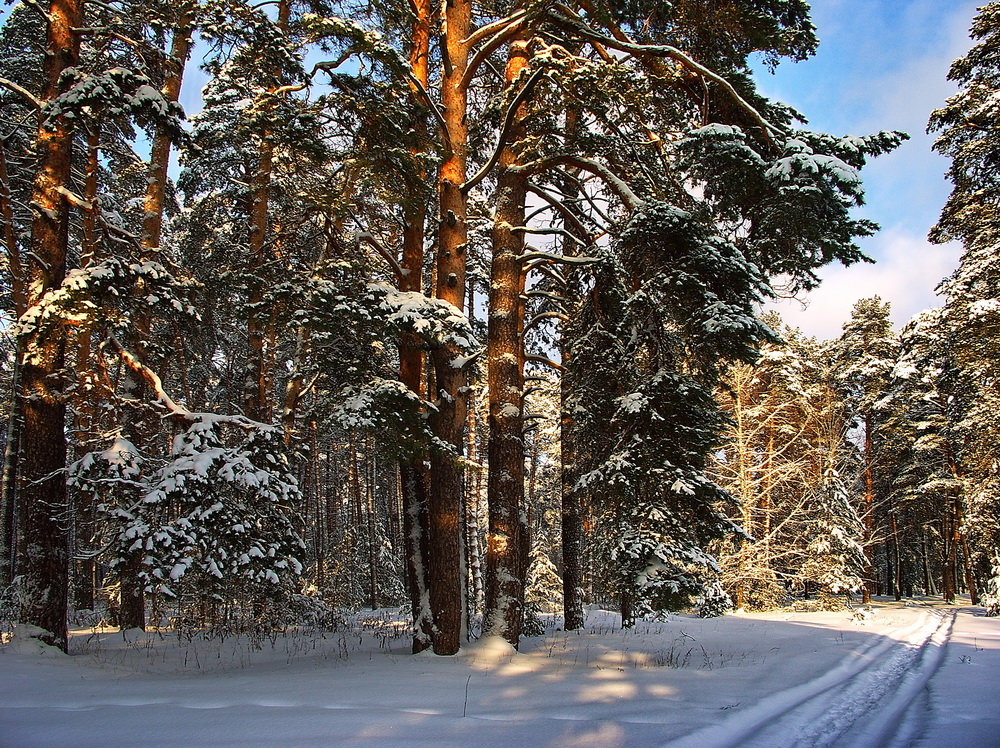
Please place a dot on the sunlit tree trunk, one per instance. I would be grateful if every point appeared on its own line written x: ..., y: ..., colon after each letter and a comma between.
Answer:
x: 444, y: 572
x: 507, y: 539
x: 257, y: 400
x: 159, y: 156
x: 43, y: 504
x: 412, y: 472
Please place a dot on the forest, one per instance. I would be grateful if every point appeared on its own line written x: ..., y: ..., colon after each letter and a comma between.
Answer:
x: 460, y: 308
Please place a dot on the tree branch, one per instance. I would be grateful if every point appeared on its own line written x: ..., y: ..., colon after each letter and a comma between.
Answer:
x: 612, y: 180
x: 508, y: 122
x: 541, y: 317
x: 484, y: 31
x: 658, y: 50
x: 174, y: 409
x: 12, y: 86
x: 532, y: 257
x: 544, y: 362
x: 397, y: 269
x: 485, y: 51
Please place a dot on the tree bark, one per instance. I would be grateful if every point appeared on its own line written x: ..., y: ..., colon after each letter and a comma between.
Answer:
x: 445, y: 578
x: 412, y: 472
x: 571, y: 505
x: 44, y: 506
x: 257, y: 384
x: 869, y: 509
x: 84, y: 412
x: 473, y: 494
x: 159, y: 155
x: 507, y: 541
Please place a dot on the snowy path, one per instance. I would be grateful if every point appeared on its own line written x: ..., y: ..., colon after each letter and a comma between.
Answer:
x: 859, y: 703
x: 775, y: 680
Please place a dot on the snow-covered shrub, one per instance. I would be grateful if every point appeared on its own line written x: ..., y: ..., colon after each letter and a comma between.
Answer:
x: 213, y: 523
x: 532, y: 624
x: 543, y: 590
x: 309, y: 609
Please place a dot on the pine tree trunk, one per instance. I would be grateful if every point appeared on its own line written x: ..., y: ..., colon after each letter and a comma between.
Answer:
x: 950, y: 556
x: 444, y: 504
x: 473, y: 494
x: 372, y: 534
x: 869, y: 510
x: 132, y: 610
x: 256, y: 405
x: 627, y: 604
x: 959, y: 541
x: 84, y: 412
x: 897, y: 556
x: 43, y: 501
x: 412, y: 472
x: 928, y: 582
x: 159, y: 155
x: 970, y: 577
x: 507, y: 541
x: 12, y: 248
x: 8, y: 488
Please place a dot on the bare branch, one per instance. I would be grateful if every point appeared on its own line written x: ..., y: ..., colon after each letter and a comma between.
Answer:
x: 539, y: 318
x: 491, y: 28
x: 612, y: 180
x: 538, y: 257
x: 397, y: 269
x: 544, y: 362
x: 560, y: 232
x: 559, y: 205
x: 662, y: 50
x: 486, y: 50
x: 20, y: 90
x: 508, y: 122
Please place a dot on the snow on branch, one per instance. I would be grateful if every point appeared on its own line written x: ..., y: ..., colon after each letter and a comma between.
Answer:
x: 173, y: 408
x: 533, y: 258
x: 21, y: 91
x: 612, y: 180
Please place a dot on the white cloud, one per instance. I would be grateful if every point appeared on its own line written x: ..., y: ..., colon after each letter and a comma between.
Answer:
x: 894, y: 77
x: 908, y: 270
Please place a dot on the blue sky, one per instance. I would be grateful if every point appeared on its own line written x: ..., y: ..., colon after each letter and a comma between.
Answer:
x: 881, y: 65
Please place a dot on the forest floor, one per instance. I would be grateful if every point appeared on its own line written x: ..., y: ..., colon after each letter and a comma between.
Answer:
x: 913, y: 673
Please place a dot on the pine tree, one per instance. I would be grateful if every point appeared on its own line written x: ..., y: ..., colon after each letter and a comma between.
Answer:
x: 865, y: 356
x: 968, y: 135
x: 932, y: 473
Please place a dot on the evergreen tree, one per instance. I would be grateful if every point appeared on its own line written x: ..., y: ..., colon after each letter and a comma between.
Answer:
x: 865, y: 356
x: 968, y: 135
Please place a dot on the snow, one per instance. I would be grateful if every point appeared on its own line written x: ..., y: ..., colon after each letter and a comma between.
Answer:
x: 783, y: 678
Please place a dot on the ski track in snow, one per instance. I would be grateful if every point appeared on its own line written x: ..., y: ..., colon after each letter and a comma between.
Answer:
x: 876, y: 698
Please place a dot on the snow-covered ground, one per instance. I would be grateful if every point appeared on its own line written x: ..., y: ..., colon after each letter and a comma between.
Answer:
x: 917, y: 671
